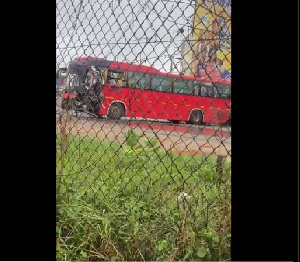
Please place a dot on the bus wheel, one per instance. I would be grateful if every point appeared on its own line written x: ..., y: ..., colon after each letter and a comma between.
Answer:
x: 196, y: 117
x: 116, y: 111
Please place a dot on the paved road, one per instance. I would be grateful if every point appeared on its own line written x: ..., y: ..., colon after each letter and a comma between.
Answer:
x: 181, y: 138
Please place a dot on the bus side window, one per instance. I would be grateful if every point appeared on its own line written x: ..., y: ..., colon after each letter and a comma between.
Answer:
x: 210, y: 92
x: 108, y: 76
x: 178, y: 85
x: 135, y: 80
x: 182, y: 86
x: 124, y: 83
x: 115, y: 78
x: 161, y: 83
x: 147, y: 81
x: 224, y: 91
x: 154, y: 83
x: 203, y: 91
x: 143, y: 81
x: 113, y: 81
x: 197, y: 89
x: 216, y: 93
x: 121, y: 79
x: 130, y: 80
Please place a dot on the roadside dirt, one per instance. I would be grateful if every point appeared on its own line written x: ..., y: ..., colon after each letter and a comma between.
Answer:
x: 195, y: 144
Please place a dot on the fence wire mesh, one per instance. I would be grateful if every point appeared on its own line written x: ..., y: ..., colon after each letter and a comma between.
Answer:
x: 143, y: 106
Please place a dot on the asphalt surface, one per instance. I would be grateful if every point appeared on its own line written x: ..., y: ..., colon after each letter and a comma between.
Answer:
x: 181, y: 138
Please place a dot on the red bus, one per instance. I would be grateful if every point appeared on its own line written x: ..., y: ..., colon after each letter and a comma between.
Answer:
x: 139, y: 91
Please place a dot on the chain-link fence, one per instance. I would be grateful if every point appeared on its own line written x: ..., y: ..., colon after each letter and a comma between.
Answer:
x: 143, y: 91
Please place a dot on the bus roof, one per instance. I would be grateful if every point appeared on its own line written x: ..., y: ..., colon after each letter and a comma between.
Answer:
x: 89, y: 61
x: 134, y: 67
x: 200, y: 79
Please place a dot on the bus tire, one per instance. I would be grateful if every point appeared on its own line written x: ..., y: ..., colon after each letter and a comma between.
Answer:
x: 196, y: 117
x: 116, y: 111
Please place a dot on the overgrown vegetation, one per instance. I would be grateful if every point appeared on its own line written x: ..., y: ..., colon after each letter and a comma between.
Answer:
x: 120, y: 202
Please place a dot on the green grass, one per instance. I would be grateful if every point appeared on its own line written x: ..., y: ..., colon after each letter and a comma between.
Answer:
x: 119, y: 202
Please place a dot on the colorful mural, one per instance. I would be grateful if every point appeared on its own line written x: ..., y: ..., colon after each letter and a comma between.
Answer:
x: 208, y: 49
